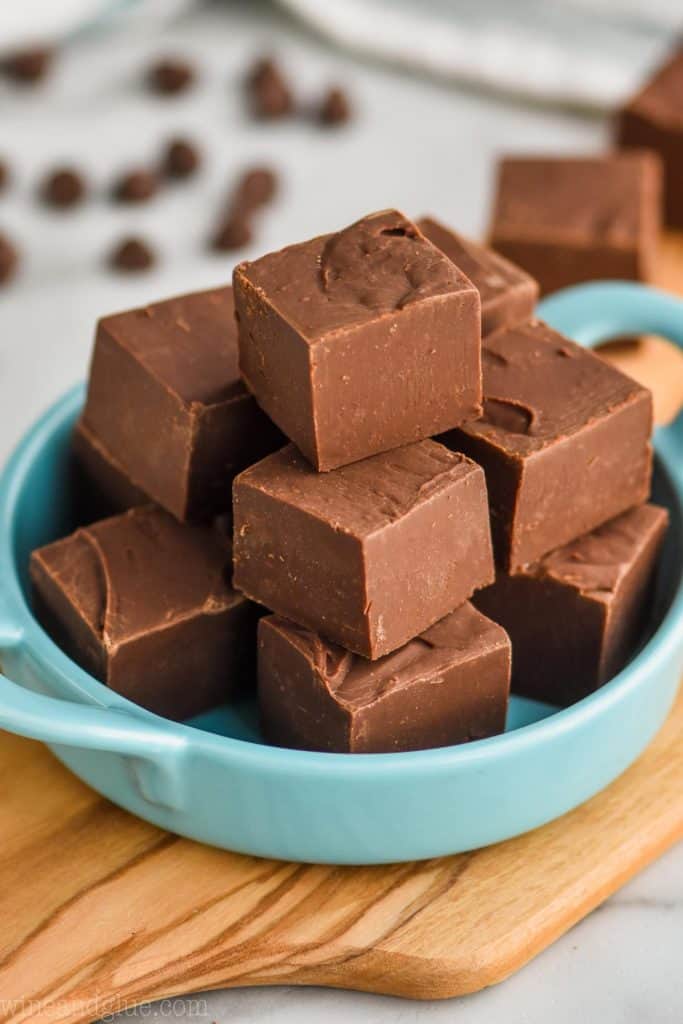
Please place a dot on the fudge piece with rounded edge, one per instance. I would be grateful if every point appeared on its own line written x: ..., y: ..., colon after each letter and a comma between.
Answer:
x: 448, y: 685
x: 369, y: 555
x: 360, y: 341
x: 564, y: 441
x: 508, y: 293
x: 572, y: 219
x: 576, y: 616
x: 166, y: 402
x: 144, y: 604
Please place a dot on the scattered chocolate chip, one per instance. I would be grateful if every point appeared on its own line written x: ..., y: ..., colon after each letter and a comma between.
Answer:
x: 263, y: 67
x: 63, y: 187
x: 4, y: 175
x: 132, y: 255
x: 136, y: 186
x: 232, y: 233
x: 9, y: 259
x: 335, y: 108
x: 170, y: 76
x: 181, y: 159
x: 256, y: 187
x: 28, y: 66
x: 269, y: 94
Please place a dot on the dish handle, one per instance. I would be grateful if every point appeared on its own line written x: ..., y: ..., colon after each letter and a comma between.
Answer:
x: 155, y: 752
x: 595, y: 312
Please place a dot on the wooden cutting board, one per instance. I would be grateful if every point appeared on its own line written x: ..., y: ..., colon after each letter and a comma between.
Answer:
x: 100, y: 911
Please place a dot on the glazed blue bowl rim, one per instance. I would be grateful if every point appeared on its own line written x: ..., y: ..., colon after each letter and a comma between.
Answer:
x: 24, y: 629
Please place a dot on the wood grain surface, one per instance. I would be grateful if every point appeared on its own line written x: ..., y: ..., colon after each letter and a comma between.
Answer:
x: 101, y: 911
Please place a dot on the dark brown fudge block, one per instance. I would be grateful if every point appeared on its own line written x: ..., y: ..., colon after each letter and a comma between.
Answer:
x: 572, y: 219
x: 361, y: 341
x: 508, y: 293
x: 564, y: 441
x: 654, y: 119
x: 449, y: 685
x: 369, y: 555
x: 165, y: 400
x: 575, y: 616
x: 105, y: 488
x: 143, y: 603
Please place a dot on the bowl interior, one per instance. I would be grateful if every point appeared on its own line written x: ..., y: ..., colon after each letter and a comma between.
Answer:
x: 48, y: 503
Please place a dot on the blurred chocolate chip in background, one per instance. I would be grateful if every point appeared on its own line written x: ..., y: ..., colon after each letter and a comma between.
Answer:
x: 181, y: 159
x: 29, y: 66
x: 132, y: 255
x: 9, y: 259
x: 268, y: 92
x: 335, y: 108
x: 170, y: 76
x: 136, y: 186
x: 63, y: 187
x: 234, y: 232
x: 257, y: 186
x: 4, y: 175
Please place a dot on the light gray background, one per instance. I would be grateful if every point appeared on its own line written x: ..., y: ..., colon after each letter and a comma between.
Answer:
x: 415, y: 144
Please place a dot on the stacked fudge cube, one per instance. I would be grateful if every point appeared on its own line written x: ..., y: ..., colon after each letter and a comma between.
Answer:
x: 420, y: 472
x: 365, y: 537
x: 569, y: 219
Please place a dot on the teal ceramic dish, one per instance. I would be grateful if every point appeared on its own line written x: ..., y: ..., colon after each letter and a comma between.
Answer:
x: 215, y: 781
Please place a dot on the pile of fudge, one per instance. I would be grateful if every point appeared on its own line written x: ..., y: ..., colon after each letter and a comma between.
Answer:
x: 364, y: 483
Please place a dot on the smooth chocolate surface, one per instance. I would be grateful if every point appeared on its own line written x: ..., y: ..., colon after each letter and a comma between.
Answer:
x: 369, y: 555
x: 143, y: 603
x: 360, y: 341
x: 564, y: 441
x: 572, y: 219
x: 654, y: 119
x: 105, y: 489
x: 508, y: 293
x: 576, y: 616
x: 165, y: 400
x: 446, y: 686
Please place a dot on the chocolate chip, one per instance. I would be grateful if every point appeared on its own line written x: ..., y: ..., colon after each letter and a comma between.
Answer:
x: 136, y: 186
x: 28, y: 66
x: 63, y: 187
x: 181, y: 159
x: 170, y: 76
x: 256, y: 187
x: 269, y: 94
x: 4, y: 175
x: 335, y: 108
x: 233, y: 233
x: 263, y: 67
x: 132, y: 255
x: 9, y: 259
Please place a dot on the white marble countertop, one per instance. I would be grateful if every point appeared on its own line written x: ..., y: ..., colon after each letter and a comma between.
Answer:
x: 415, y: 144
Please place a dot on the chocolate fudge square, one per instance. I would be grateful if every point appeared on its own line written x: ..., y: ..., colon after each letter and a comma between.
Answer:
x: 360, y: 341
x: 369, y: 555
x: 104, y: 487
x: 572, y: 219
x: 576, y: 616
x: 508, y: 293
x: 165, y: 402
x: 654, y: 119
x: 143, y: 603
x: 564, y: 441
x: 449, y: 685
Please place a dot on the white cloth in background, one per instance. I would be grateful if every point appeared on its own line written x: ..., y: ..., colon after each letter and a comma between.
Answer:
x: 23, y: 22
x: 591, y: 53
